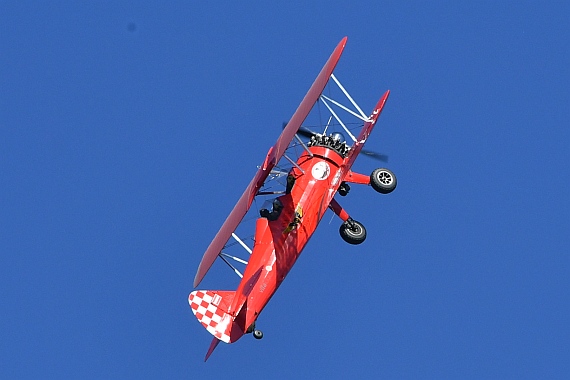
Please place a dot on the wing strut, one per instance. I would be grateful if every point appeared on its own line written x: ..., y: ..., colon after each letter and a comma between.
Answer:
x: 294, y: 163
x: 241, y: 243
x: 364, y: 118
x: 304, y: 146
x: 223, y: 257
x: 338, y: 119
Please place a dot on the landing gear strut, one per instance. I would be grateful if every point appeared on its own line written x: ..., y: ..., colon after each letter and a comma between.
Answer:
x: 351, y: 231
x: 257, y: 334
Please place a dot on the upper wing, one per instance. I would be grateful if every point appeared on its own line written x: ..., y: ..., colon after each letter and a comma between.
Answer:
x: 273, y: 156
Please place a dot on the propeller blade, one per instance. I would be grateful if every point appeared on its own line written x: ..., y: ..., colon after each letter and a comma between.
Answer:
x: 374, y: 155
x: 305, y: 132
x: 302, y: 131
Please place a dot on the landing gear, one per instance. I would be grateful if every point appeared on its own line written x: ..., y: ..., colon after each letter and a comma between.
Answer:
x: 257, y: 334
x: 383, y: 181
x: 352, y: 232
x: 343, y: 189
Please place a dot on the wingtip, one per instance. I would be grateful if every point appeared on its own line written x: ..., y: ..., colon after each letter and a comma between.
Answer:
x: 385, y: 97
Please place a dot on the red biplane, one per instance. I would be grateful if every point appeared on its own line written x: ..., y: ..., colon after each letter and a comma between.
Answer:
x: 288, y: 217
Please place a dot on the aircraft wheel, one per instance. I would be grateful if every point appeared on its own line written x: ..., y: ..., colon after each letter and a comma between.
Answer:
x: 257, y: 334
x: 383, y: 181
x: 352, y: 232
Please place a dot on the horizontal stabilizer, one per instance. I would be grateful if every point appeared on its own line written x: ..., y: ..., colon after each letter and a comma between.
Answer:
x: 211, y: 308
x: 213, y: 346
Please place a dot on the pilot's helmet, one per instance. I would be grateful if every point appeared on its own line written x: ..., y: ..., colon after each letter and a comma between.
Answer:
x: 337, y: 137
x: 277, y: 205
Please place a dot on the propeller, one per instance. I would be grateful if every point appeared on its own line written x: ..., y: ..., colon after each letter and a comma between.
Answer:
x: 306, y: 132
x: 375, y: 155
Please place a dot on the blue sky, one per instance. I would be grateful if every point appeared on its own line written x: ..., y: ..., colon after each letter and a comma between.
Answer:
x: 129, y: 129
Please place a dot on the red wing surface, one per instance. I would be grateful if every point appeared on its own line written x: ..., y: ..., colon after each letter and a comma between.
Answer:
x: 273, y: 156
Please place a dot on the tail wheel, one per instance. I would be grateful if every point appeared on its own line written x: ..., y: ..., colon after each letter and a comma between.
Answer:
x: 257, y: 334
x: 352, y: 232
x: 383, y: 181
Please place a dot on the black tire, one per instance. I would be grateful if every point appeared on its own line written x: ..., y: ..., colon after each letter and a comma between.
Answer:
x: 353, y: 232
x: 383, y: 181
x: 257, y: 334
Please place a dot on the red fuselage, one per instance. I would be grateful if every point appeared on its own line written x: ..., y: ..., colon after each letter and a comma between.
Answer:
x: 279, y: 241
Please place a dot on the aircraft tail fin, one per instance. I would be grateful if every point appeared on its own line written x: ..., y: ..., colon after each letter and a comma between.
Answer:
x: 212, y: 310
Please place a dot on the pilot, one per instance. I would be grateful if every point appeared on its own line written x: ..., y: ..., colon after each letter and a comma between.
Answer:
x: 337, y: 137
x: 339, y: 143
x: 276, y: 207
x: 290, y: 183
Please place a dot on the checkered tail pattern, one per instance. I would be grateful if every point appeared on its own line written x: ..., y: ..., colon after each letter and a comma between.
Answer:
x: 210, y: 307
